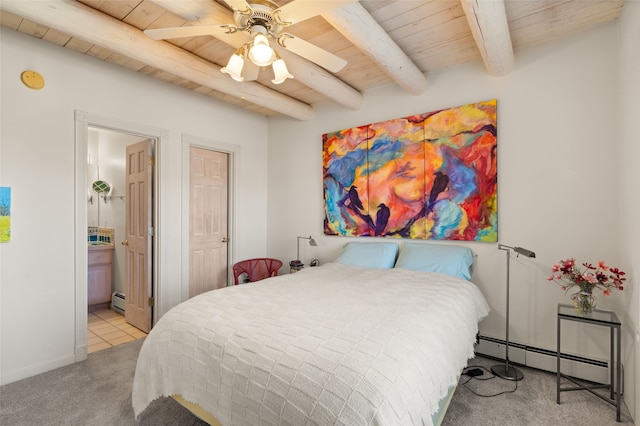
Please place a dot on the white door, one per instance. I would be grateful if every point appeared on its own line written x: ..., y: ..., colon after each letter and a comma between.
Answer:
x: 208, y: 192
x: 138, y: 238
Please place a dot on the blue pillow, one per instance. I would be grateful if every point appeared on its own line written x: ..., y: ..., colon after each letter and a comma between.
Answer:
x: 369, y: 255
x: 450, y: 260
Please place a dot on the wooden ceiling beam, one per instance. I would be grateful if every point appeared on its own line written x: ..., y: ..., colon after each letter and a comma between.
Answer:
x: 488, y: 22
x: 360, y: 28
x: 305, y: 72
x: 85, y: 23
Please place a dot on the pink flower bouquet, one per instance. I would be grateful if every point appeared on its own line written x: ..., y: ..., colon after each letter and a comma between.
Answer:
x: 588, y: 277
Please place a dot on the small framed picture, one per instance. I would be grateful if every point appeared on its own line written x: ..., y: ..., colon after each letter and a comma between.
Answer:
x: 5, y: 214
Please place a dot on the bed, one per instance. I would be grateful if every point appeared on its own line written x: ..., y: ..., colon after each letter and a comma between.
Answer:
x: 342, y: 344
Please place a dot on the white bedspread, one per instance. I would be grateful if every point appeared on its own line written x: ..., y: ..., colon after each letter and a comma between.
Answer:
x: 330, y: 345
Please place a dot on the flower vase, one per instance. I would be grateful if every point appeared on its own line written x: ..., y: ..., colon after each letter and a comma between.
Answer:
x: 583, y: 301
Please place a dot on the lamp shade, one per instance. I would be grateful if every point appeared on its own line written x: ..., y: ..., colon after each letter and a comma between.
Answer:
x: 280, y: 72
x: 234, y: 67
x: 524, y: 252
x: 261, y: 53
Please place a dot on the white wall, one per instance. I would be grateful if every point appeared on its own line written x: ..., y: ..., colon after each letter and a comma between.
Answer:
x: 558, y: 166
x: 629, y: 90
x: 37, y: 148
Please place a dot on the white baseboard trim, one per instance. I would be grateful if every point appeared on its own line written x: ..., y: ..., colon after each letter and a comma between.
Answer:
x: 23, y: 373
x: 594, y: 370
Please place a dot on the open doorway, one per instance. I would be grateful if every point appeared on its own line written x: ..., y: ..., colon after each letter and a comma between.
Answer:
x: 120, y: 261
x: 116, y: 213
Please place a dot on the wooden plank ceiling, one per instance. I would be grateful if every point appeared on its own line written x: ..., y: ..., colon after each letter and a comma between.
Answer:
x: 384, y: 41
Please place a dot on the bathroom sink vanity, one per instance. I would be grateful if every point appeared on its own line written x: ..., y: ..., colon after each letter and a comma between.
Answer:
x: 100, y: 267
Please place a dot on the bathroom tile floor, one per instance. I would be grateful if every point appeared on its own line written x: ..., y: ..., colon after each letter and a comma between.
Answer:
x: 108, y: 328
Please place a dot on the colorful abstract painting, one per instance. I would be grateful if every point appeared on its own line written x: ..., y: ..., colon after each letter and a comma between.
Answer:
x: 426, y: 176
x: 5, y: 214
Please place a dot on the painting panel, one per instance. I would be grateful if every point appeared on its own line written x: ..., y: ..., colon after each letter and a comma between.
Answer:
x: 395, y: 173
x: 427, y: 176
x: 345, y: 182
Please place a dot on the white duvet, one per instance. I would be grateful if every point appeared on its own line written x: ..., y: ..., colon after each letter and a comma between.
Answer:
x: 333, y: 345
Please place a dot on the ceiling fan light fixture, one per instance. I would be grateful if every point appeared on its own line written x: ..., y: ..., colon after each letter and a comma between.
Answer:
x: 234, y: 66
x: 261, y: 52
x: 280, y: 71
x: 259, y: 21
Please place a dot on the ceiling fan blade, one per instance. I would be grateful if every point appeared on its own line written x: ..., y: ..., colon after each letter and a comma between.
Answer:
x: 311, y: 52
x: 190, y: 11
x: 239, y: 5
x: 250, y: 71
x: 178, y: 32
x: 300, y: 10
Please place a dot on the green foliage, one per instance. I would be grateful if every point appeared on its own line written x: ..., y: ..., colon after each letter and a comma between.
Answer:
x: 5, y: 229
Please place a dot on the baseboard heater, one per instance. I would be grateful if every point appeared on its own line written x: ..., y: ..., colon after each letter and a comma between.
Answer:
x: 117, y: 302
x: 590, y: 369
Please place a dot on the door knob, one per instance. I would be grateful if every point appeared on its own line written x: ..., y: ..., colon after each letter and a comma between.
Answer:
x: 125, y: 243
x: 225, y: 240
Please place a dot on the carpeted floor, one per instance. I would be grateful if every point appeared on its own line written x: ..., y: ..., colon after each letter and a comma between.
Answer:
x: 98, y: 392
x: 532, y: 402
x: 94, y: 392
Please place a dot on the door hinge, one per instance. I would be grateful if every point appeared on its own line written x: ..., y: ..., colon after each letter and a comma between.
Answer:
x: 150, y: 231
x: 152, y: 160
x: 151, y: 301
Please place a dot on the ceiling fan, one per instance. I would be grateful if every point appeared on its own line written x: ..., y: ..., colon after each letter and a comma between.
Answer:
x: 259, y: 20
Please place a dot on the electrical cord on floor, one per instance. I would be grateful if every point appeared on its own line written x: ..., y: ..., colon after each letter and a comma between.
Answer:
x: 475, y: 372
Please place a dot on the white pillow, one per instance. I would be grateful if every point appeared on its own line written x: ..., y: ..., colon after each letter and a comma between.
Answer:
x: 446, y: 259
x: 369, y: 255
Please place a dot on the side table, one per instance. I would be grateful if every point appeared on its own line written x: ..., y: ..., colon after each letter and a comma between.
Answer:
x: 601, y: 318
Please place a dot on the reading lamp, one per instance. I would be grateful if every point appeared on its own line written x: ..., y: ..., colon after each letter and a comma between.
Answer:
x: 312, y: 242
x: 506, y: 371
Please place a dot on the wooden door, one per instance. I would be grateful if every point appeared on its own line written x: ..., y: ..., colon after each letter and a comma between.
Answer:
x: 208, y: 180
x: 138, y: 239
